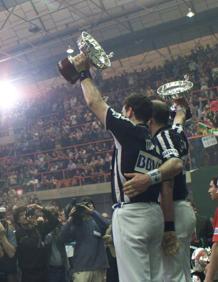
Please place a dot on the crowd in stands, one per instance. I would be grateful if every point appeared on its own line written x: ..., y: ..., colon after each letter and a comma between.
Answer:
x: 59, y: 143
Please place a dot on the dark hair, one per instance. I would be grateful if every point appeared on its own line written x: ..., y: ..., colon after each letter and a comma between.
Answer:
x: 69, y: 207
x: 215, y: 181
x: 160, y: 112
x: 53, y: 209
x: 88, y: 200
x: 141, y: 106
x: 17, y: 212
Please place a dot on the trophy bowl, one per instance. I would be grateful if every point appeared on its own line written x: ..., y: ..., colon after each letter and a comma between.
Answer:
x: 175, y: 89
x: 92, y: 49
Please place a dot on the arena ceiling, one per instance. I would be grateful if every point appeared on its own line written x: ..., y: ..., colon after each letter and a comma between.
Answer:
x: 35, y: 30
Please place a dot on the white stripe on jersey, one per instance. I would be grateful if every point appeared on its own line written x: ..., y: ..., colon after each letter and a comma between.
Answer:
x: 178, y: 127
x: 121, y: 176
x: 161, y: 141
x: 169, y: 139
x: 116, y: 185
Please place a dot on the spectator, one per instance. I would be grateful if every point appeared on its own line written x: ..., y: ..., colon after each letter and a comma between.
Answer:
x: 212, y: 267
x: 31, y: 250
x: 86, y: 227
x: 58, y: 265
x: 8, y: 266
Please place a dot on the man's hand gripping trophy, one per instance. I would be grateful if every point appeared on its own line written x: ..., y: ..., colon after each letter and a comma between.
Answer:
x: 91, y: 54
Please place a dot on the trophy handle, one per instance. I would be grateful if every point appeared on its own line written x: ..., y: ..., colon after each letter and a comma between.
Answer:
x: 110, y: 55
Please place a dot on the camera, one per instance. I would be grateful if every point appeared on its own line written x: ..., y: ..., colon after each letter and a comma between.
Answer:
x: 80, y: 207
x: 30, y: 212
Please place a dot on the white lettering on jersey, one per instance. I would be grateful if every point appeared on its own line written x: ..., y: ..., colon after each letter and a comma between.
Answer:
x: 170, y: 153
x: 118, y: 115
x: 146, y: 162
x: 149, y: 145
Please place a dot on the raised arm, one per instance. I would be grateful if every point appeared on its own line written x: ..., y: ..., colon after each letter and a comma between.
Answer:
x: 182, y: 111
x: 180, y: 116
x: 94, y: 99
x: 92, y: 95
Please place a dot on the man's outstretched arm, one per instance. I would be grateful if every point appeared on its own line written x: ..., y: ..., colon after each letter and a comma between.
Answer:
x: 94, y: 99
x: 181, y: 110
x: 139, y: 182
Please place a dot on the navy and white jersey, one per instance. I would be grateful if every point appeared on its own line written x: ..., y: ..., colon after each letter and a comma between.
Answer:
x: 134, y: 151
x: 173, y: 142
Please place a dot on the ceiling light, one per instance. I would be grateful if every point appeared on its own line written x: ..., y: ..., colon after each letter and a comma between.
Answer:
x: 190, y: 13
x: 70, y: 50
x: 34, y: 28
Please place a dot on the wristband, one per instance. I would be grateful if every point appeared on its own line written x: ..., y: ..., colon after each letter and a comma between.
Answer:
x: 155, y: 176
x: 84, y: 74
x: 169, y: 226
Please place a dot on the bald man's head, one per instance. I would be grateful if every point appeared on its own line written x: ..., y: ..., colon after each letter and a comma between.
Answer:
x: 160, y: 112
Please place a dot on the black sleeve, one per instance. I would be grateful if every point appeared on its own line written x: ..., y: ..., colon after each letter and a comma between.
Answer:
x: 67, y: 233
x: 102, y: 222
x: 168, y: 144
x: 119, y: 126
x: 26, y: 239
x: 48, y: 226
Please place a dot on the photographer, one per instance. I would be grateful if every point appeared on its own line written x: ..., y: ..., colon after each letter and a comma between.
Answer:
x: 30, y: 233
x: 86, y: 227
x: 58, y: 264
x: 7, y: 249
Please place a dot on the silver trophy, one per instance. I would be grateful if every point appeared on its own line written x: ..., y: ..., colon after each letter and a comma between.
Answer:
x: 92, y: 49
x: 175, y: 89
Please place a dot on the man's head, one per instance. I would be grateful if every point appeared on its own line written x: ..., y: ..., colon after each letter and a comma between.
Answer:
x: 160, y: 116
x: 61, y: 216
x: 22, y: 217
x: 213, y: 188
x: 69, y: 207
x: 137, y: 107
x: 88, y: 202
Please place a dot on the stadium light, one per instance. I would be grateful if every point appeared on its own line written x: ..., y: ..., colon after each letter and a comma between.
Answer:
x: 190, y: 13
x: 8, y: 95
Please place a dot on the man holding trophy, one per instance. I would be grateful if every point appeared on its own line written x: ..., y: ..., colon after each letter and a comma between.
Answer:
x: 137, y: 219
